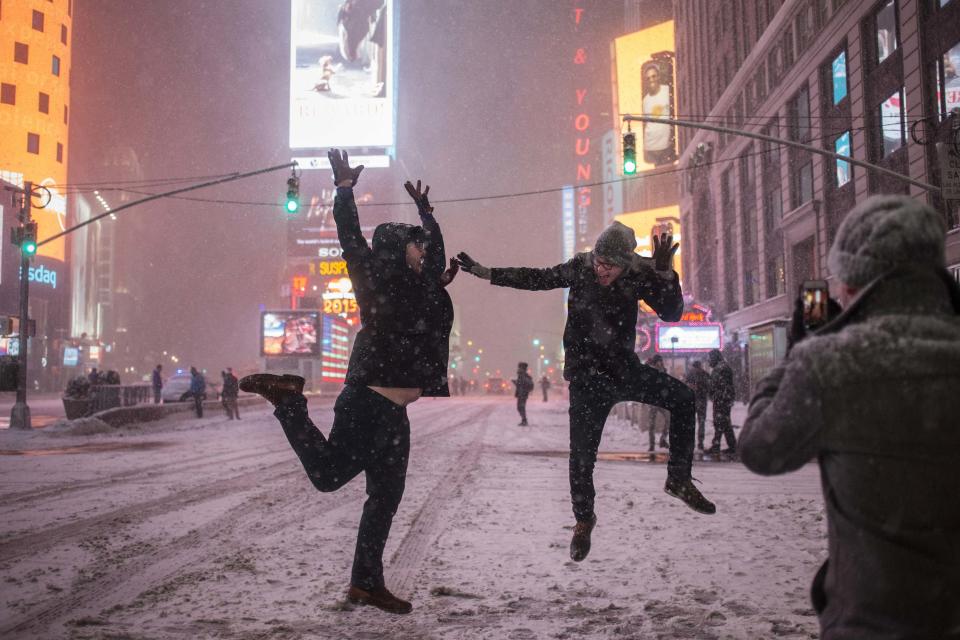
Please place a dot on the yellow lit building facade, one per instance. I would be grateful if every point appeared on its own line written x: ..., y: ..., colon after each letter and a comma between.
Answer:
x: 35, y: 65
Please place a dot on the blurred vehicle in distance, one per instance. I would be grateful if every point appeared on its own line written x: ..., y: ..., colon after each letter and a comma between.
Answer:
x: 496, y: 385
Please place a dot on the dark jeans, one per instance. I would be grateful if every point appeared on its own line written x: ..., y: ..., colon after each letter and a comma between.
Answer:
x: 369, y: 434
x: 722, y: 426
x: 522, y: 407
x: 701, y: 407
x: 592, y: 397
x: 156, y: 394
x: 198, y: 403
x: 230, y: 406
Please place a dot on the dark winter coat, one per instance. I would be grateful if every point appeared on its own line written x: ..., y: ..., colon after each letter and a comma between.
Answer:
x: 156, y: 380
x: 699, y: 381
x: 406, y: 317
x: 722, y: 390
x: 875, y: 397
x: 524, y: 385
x: 601, y: 333
x: 231, y: 386
x: 198, y: 384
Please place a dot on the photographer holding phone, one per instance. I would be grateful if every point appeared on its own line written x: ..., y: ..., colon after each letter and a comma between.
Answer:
x: 873, y: 397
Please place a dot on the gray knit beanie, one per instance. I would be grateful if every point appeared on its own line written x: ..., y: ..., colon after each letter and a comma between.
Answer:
x: 616, y: 245
x: 882, y: 233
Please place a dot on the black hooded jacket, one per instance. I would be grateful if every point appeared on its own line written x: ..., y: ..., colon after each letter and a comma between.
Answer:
x: 406, y: 317
x: 601, y: 329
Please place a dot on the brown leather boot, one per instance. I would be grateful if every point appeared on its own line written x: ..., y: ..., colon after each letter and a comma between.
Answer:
x: 272, y: 387
x: 580, y: 544
x: 380, y: 598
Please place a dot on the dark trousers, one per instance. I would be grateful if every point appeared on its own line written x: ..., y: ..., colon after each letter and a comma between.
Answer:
x: 156, y: 395
x: 522, y: 408
x: 544, y: 395
x: 369, y: 434
x: 722, y: 427
x: 592, y: 397
x: 230, y: 406
x: 198, y: 404
x: 701, y: 407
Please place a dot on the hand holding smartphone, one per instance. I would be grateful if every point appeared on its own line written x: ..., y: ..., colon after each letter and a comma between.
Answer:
x: 814, y: 296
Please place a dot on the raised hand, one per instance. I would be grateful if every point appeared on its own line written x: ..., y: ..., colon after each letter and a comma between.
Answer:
x: 663, y: 251
x: 447, y: 276
x: 340, y: 163
x: 472, y: 266
x: 420, y: 198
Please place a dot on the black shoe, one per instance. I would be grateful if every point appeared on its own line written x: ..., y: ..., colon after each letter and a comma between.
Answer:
x: 730, y: 451
x: 380, y: 598
x: 523, y: 424
x: 272, y: 387
x: 713, y: 451
x: 685, y: 490
x: 580, y: 544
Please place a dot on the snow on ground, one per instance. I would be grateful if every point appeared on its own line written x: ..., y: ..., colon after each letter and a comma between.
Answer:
x: 209, y: 529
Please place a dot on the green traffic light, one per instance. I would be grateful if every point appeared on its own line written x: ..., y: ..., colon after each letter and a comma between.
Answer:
x: 29, y: 247
x: 292, y: 205
x: 629, y: 166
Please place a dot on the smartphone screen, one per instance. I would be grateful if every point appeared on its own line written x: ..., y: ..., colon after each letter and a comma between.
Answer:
x: 813, y: 295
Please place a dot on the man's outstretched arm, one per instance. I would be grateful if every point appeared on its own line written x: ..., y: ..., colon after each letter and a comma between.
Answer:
x: 528, y: 278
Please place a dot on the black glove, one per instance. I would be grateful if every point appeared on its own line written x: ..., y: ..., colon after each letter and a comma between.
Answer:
x: 797, y: 331
x: 663, y: 250
x: 447, y: 276
x: 472, y: 266
x: 423, y: 203
x: 340, y: 163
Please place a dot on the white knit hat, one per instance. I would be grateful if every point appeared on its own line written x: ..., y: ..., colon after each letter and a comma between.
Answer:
x: 884, y: 232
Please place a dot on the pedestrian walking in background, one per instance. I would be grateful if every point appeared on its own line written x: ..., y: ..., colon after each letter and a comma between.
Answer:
x: 545, y: 386
x: 400, y: 354
x: 229, y: 393
x: 699, y: 381
x: 524, y: 385
x: 94, y: 376
x: 198, y: 390
x: 872, y: 397
x: 656, y: 414
x: 601, y: 365
x: 156, y: 380
x: 722, y: 393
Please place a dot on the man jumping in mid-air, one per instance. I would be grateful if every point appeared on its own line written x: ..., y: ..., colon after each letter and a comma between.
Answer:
x: 601, y: 365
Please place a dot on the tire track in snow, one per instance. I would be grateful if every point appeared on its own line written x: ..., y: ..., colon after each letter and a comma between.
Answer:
x: 408, y: 559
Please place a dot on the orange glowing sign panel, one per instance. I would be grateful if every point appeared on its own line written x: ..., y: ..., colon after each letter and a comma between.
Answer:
x: 648, y: 222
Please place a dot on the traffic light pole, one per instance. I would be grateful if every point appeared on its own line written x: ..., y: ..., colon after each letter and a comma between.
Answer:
x: 20, y: 413
x: 780, y: 141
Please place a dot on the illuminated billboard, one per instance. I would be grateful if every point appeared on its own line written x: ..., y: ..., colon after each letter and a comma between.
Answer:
x: 289, y: 333
x: 341, y: 79
x: 336, y: 349
x: 648, y: 222
x: 689, y: 337
x: 645, y: 86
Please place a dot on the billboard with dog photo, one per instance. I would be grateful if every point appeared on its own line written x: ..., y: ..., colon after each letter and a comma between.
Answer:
x: 341, y: 74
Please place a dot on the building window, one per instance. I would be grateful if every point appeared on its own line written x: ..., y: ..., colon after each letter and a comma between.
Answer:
x: 44, y: 103
x: 65, y: 113
x: 776, y: 276
x: 803, y: 184
x: 37, y: 20
x: 21, y: 53
x: 886, y: 29
x: 33, y: 143
x: 892, y: 125
x: 55, y: 66
x: 59, y: 152
x: 838, y: 68
x: 842, y: 146
x: 8, y: 93
x: 63, y: 33
x: 947, y: 81
x: 772, y: 209
x: 751, y: 288
x: 800, y: 129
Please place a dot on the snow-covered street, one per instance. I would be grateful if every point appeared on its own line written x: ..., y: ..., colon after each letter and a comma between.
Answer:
x: 210, y: 529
